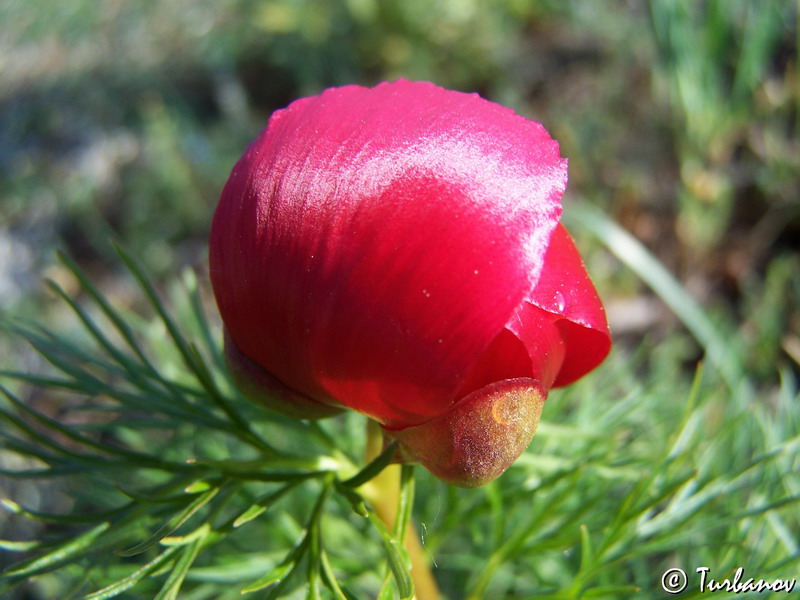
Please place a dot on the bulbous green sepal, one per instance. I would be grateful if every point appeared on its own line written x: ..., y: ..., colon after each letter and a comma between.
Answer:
x: 257, y: 385
x: 480, y: 436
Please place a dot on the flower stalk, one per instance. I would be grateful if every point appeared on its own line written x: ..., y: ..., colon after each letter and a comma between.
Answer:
x: 384, y: 495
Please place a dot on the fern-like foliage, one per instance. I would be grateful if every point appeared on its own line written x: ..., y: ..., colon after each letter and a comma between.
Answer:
x: 171, y: 474
x: 168, y: 482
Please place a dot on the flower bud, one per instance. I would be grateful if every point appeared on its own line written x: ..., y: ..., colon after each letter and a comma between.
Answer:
x: 397, y: 251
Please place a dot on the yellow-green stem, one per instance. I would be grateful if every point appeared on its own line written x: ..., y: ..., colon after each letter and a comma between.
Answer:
x: 383, y: 493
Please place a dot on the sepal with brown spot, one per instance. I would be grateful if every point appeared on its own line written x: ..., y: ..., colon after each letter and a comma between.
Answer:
x: 480, y: 437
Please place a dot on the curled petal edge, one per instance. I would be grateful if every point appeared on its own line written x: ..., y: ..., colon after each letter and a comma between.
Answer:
x: 480, y: 437
x: 566, y: 292
x: 257, y: 385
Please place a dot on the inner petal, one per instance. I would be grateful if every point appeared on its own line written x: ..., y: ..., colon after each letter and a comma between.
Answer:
x: 540, y: 333
x: 530, y: 345
x: 505, y: 358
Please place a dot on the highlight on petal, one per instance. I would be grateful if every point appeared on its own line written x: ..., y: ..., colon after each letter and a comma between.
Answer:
x: 480, y: 437
x: 371, y: 244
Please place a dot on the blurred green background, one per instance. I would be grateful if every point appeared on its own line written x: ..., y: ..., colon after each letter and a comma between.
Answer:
x: 681, y: 120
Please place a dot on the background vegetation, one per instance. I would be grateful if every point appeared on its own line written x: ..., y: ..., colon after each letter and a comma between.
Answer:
x: 681, y: 120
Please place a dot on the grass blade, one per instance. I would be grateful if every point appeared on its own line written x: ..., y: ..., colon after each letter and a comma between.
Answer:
x: 632, y: 253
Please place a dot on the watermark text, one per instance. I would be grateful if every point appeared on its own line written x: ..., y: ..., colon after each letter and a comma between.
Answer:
x: 675, y: 581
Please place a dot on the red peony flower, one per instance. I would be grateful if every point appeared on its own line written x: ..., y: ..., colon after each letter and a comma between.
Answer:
x: 397, y: 251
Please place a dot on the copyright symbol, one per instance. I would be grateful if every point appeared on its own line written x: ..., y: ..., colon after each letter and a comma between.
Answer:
x: 674, y: 581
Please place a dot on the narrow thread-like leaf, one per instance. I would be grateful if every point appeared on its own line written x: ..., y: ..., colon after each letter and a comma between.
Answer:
x: 19, y: 546
x: 177, y: 407
x: 282, y: 573
x: 172, y: 524
x: 277, y: 575
x: 196, y: 304
x: 123, y: 585
x: 355, y: 500
x: 140, y: 459
x: 405, y: 502
x: 192, y: 357
x: 64, y: 518
x: 587, y: 556
x: 182, y: 540
x: 56, y: 556
x: 262, y: 504
x: 121, y: 325
x: 375, y: 466
x: 396, y: 557
x: 176, y: 577
x: 329, y: 577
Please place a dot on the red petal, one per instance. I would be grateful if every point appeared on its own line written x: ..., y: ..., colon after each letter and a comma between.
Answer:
x: 566, y: 292
x: 370, y: 244
x: 558, y: 334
